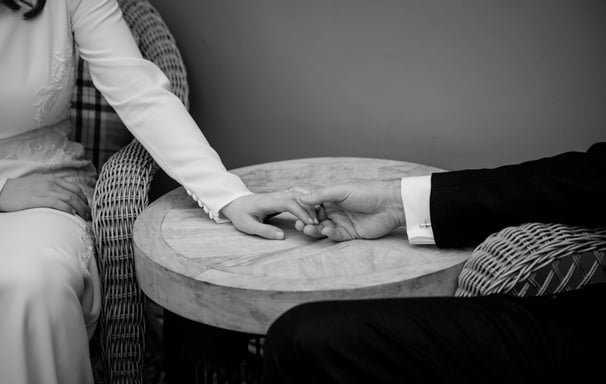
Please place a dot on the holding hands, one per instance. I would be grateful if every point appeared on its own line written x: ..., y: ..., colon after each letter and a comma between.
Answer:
x: 360, y: 210
x: 357, y: 210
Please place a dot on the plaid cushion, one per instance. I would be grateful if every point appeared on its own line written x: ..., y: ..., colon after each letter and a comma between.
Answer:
x: 95, y: 123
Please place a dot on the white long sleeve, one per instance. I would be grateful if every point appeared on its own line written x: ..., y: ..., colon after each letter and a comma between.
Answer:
x: 139, y: 92
x: 415, y: 200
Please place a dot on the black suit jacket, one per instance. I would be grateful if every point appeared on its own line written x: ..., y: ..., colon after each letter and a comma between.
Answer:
x: 467, y: 206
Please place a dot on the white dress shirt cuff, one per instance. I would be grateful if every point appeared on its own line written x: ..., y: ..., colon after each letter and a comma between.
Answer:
x: 415, y: 200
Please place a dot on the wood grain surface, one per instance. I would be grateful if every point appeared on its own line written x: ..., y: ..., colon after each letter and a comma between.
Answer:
x: 214, y: 274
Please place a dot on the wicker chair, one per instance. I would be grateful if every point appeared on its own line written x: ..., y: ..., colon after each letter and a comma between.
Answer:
x: 120, y: 195
x: 535, y: 259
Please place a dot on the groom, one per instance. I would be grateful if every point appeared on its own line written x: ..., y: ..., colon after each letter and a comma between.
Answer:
x: 490, y: 339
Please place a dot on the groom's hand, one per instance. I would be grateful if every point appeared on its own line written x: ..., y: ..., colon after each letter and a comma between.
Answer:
x: 360, y: 210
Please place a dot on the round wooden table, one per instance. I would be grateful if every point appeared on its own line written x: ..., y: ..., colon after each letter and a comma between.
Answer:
x: 212, y: 273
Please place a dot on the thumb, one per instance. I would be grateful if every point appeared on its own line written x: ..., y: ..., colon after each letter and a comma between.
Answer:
x: 333, y: 194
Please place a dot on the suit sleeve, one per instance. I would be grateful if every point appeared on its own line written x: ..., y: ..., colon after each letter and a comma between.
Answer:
x: 467, y: 206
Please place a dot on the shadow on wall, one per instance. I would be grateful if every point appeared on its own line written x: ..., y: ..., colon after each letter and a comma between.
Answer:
x: 471, y: 83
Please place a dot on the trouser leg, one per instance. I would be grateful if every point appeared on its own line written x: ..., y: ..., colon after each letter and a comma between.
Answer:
x: 492, y: 339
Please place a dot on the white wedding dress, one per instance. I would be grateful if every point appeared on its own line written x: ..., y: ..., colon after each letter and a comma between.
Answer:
x: 49, y: 287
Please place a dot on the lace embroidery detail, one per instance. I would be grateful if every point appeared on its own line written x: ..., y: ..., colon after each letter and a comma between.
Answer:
x: 87, y: 237
x: 62, y: 77
x: 48, y: 150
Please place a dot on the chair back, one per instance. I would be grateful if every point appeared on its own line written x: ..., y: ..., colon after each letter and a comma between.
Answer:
x: 95, y: 124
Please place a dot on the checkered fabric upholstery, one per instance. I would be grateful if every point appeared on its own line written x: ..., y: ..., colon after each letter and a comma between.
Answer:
x: 95, y: 123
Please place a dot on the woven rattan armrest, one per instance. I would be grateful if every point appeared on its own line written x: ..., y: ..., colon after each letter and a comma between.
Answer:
x: 120, y: 195
x: 535, y: 259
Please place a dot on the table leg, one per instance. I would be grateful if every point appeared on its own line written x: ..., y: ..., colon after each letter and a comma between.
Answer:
x: 196, y: 353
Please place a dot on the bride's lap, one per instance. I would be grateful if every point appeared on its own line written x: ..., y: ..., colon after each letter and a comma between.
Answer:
x: 36, y: 242
x: 49, y: 288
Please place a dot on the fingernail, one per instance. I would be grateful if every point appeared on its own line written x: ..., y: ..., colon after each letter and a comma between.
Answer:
x: 279, y: 235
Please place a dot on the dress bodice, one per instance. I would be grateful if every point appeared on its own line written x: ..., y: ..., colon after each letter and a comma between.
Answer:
x: 37, y: 69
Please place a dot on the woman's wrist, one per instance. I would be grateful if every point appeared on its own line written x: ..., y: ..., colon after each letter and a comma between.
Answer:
x: 227, y: 210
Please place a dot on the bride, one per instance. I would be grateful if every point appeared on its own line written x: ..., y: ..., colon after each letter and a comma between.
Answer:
x: 49, y: 287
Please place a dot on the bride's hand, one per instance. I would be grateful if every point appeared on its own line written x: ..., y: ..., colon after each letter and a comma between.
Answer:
x: 248, y: 213
x: 43, y: 191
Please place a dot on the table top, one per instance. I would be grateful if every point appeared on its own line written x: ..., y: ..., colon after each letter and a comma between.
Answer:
x: 214, y: 274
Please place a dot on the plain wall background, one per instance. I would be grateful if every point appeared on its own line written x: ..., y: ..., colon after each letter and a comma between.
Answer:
x: 450, y: 83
